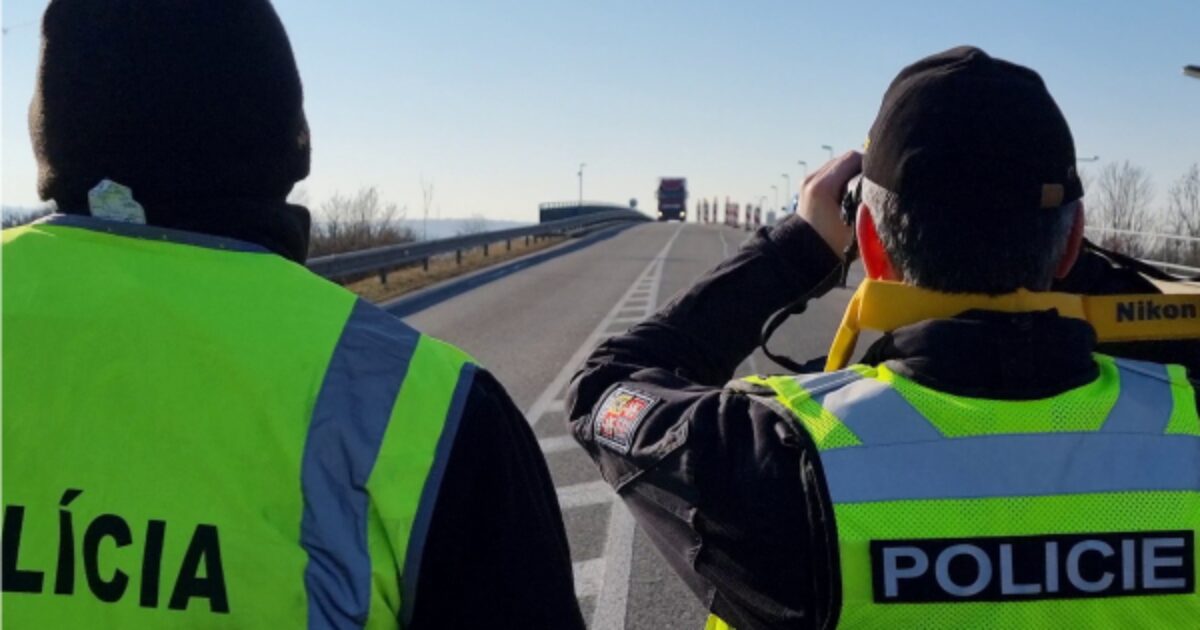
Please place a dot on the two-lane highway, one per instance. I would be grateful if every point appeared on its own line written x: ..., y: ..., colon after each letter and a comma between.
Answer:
x: 533, y: 328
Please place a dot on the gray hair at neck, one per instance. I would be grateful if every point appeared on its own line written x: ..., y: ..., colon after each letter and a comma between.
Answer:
x: 969, y: 253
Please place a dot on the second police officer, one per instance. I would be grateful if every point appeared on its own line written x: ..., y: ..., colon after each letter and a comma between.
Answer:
x: 980, y: 467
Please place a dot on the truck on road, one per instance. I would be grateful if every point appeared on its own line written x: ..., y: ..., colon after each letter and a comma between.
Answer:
x: 672, y: 198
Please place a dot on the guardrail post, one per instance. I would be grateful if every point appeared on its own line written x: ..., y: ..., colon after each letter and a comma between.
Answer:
x: 383, y: 276
x: 508, y: 245
x: 425, y: 263
x: 526, y: 241
x: 458, y: 256
x: 485, y: 249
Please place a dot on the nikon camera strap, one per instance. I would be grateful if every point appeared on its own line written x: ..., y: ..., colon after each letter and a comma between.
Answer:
x: 886, y: 306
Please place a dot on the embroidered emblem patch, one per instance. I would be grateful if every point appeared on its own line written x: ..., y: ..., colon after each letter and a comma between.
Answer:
x: 619, y: 416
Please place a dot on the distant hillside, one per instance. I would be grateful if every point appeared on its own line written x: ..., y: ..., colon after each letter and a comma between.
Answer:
x: 445, y: 228
x: 438, y: 228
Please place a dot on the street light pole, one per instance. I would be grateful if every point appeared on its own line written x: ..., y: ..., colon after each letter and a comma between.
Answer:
x: 1094, y: 158
x: 581, y: 165
x: 829, y: 149
x: 787, y: 188
x: 803, y: 178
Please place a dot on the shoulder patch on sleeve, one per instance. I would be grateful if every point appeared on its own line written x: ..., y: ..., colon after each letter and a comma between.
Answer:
x: 616, y: 420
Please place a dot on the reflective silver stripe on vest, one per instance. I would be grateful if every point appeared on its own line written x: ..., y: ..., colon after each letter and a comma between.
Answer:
x: 1143, y: 397
x: 349, y: 420
x: 905, y: 457
x: 821, y: 383
x: 877, y: 414
x: 1026, y: 465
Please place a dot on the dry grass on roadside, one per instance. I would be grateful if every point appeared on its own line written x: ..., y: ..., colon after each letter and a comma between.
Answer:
x: 408, y: 279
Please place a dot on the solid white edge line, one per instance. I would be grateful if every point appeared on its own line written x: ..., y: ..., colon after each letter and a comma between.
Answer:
x: 558, y: 444
x: 613, y: 602
x: 612, y: 605
x: 589, y: 576
x: 584, y: 494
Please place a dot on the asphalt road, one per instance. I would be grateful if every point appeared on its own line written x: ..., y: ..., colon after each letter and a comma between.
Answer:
x: 533, y: 323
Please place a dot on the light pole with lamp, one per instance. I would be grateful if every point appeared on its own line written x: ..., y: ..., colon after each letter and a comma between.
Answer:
x: 1094, y: 158
x: 581, y: 165
x: 776, y: 190
x: 803, y: 178
x: 1192, y: 71
x: 787, y: 188
x: 829, y: 149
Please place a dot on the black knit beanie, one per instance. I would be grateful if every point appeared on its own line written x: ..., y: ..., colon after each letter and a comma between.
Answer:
x: 180, y: 100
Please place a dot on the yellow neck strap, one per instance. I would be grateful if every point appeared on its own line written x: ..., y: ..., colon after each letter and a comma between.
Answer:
x: 886, y: 306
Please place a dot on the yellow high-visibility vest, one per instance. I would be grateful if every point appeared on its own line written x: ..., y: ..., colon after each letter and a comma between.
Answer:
x: 198, y: 433
x: 1075, y: 511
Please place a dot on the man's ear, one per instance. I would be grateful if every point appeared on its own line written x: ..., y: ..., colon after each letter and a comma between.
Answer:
x: 875, y: 259
x: 1074, y: 244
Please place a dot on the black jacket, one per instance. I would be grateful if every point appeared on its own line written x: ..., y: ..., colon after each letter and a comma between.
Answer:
x: 497, y: 551
x: 730, y: 490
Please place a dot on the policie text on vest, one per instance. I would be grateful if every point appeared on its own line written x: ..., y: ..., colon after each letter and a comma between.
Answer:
x: 1068, y: 566
x: 200, y: 574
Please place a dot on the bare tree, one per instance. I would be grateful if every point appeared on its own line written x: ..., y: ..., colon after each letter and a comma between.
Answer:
x: 358, y: 222
x: 426, y: 202
x: 1087, y: 180
x: 1183, y: 215
x: 1183, y: 203
x: 1121, y: 201
x: 476, y: 224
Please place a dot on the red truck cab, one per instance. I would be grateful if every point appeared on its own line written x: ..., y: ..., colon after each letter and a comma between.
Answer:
x: 672, y: 199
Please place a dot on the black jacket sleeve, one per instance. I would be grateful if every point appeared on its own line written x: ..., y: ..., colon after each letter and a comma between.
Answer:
x: 496, y: 552
x: 746, y: 550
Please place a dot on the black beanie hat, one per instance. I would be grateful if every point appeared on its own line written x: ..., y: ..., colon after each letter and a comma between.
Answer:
x: 176, y: 99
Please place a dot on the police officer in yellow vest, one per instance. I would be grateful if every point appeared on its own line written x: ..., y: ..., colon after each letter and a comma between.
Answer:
x: 980, y: 467
x: 200, y: 433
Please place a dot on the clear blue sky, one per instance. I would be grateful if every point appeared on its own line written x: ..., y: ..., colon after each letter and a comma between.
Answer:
x: 497, y: 103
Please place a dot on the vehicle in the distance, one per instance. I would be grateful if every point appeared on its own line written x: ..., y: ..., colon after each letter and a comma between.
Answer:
x: 672, y: 198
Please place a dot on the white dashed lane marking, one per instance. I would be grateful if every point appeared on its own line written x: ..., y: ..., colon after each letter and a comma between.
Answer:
x: 605, y: 578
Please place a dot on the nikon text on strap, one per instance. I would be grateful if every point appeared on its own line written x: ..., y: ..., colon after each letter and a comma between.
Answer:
x: 886, y: 306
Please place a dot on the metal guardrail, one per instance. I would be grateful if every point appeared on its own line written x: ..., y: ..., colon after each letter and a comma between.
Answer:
x: 559, y: 210
x: 1174, y: 268
x: 1148, y: 244
x: 1152, y: 235
x: 381, y: 260
x: 554, y: 205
